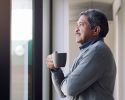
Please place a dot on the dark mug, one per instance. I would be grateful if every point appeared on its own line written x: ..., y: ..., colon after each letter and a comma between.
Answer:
x: 59, y: 59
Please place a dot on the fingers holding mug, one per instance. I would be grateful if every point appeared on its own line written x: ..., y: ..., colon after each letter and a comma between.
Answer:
x: 49, y: 62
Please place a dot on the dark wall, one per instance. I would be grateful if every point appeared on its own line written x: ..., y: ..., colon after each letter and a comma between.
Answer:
x: 5, y: 49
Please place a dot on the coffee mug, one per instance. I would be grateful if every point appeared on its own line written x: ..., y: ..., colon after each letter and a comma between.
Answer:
x: 59, y: 59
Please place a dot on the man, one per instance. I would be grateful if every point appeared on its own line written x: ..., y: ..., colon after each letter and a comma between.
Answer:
x: 92, y: 75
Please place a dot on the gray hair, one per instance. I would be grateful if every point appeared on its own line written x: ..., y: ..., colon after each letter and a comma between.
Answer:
x: 97, y: 18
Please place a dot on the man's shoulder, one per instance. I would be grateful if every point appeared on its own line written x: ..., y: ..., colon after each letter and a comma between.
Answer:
x: 99, y: 46
x: 93, y: 48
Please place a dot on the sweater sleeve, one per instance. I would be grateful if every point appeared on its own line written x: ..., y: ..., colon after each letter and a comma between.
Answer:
x: 57, y: 78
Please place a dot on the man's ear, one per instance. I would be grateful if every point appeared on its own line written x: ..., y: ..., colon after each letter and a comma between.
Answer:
x: 96, y: 30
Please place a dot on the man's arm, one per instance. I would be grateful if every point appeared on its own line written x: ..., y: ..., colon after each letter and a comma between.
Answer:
x: 90, y: 69
x: 57, y: 78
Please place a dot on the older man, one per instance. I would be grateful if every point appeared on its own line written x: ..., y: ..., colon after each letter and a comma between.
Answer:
x: 92, y: 75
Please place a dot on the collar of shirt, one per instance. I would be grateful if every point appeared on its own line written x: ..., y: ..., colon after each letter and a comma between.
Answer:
x: 92, y: 41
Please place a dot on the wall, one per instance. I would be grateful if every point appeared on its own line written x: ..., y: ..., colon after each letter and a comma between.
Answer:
x: 46, y: 48
x: 74, y: 47
x: 60, y: 32
x: 119, y: 20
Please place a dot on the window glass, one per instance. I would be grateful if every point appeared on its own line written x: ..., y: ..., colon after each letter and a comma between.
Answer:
x: 21, y: 50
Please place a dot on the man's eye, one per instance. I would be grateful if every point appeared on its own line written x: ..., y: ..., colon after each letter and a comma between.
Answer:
x: 81, y: 24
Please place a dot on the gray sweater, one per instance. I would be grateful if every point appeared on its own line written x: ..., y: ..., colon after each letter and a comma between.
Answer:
x: 91, y: 77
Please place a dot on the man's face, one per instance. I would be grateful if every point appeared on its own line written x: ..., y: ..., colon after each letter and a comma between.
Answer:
x: 83, y: 30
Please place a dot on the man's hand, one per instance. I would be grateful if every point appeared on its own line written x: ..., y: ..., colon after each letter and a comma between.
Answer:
x: 49, y: 62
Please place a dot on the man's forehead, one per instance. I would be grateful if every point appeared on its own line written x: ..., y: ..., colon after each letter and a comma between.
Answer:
x: 82, y: 19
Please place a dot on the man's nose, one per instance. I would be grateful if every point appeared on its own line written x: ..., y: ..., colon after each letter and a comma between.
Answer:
x: 77, y: 29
